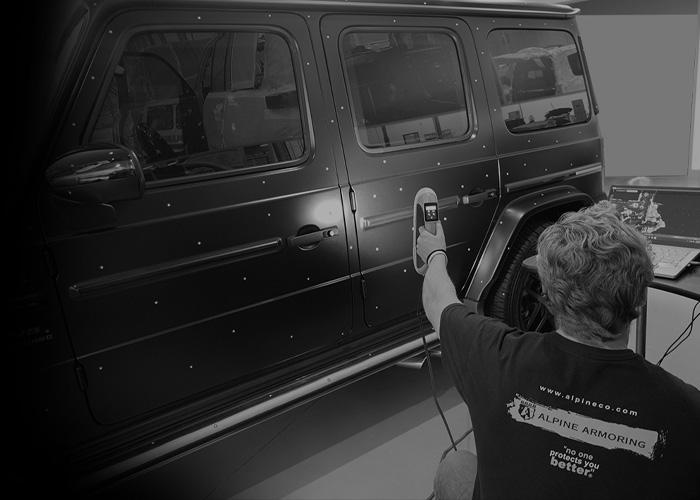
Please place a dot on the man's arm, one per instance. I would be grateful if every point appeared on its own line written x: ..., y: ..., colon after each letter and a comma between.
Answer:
x: 438, y: 290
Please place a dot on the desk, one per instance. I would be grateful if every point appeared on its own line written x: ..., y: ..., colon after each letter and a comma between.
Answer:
x: 687, y: 285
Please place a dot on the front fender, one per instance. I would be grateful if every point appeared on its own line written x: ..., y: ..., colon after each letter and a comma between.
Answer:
x: 554, y: 201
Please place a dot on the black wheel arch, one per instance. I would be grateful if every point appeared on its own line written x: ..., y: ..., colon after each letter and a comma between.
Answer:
x: 515, y: 220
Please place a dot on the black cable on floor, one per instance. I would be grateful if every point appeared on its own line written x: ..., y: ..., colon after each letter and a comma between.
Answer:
x: 262, y: 448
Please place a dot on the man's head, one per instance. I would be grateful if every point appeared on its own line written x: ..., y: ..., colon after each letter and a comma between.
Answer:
x: 594, y: 270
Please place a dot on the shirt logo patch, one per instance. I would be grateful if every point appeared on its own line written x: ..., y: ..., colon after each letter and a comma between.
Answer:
x: 585, y: 429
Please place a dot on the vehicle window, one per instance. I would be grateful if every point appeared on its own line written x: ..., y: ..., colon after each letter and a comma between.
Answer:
x: 405, y: 87
x: 540, y: 76
x: 190, y: 103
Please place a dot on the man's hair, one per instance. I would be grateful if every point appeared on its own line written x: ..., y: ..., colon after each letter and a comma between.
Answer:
x: 594, y: 270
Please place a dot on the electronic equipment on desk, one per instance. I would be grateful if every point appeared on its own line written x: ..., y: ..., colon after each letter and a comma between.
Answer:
x: 669, y: 217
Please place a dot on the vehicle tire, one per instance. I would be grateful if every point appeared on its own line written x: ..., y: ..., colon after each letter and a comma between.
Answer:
x: 516, y: 295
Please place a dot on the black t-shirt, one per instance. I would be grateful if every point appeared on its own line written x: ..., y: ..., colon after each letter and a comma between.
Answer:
x: 556, y: 419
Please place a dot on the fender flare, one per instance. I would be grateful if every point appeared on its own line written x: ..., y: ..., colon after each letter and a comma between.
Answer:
x: 507, y: 226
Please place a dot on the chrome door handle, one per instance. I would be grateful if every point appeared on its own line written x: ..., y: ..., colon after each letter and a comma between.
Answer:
x: 315, y: 237
x: 473, y: 199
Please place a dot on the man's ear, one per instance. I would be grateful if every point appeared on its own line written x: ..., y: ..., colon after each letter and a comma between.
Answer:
x: 544, y: 300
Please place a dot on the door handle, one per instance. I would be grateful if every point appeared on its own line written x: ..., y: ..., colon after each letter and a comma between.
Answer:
x: 479, y: 197
x: 305, y: 241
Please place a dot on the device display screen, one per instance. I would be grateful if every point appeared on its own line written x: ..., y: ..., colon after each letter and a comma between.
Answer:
x: 431, y: 212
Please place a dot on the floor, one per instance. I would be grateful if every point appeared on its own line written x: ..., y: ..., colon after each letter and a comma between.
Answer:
x: 385, y: 441
x: 378, y: 438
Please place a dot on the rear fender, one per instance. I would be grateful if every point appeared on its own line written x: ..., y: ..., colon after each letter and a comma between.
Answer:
x: 551, y: 201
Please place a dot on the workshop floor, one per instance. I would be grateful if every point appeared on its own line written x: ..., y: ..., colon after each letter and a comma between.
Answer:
x: 380, y: 438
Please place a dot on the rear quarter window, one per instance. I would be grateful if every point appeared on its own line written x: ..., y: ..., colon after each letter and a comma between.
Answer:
x: 540, y: 79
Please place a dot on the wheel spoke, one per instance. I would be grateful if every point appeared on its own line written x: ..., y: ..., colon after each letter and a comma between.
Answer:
x: 542, y: 322
x: 534, y: 315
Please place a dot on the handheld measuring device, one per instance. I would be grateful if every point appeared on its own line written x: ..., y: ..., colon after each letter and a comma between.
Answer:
x: 425, y: 213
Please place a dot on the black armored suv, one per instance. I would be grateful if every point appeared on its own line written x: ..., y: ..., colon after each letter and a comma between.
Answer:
x: 217, y: 206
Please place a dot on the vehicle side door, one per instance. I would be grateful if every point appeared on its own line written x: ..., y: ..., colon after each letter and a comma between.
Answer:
x: 412, y: 113
x: 233, y: 264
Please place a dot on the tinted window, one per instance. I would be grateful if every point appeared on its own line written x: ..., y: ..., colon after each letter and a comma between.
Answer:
x: 197, y: 103
x: 405, y: 87
x: 540, y: 78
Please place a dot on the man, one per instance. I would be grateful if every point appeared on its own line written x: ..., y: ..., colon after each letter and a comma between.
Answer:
x: 571, y: 413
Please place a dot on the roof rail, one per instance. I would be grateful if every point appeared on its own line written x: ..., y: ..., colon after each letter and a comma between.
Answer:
x: 468, y: 7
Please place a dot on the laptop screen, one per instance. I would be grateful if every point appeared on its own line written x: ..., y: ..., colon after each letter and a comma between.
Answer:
x: 664, y: 215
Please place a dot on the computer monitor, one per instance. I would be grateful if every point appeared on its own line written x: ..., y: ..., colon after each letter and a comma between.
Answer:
x: 664, y: 215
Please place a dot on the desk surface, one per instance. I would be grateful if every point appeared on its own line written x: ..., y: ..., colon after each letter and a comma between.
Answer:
x: 687, y: 284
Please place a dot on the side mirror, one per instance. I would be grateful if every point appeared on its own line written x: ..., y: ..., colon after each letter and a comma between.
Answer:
x: 99, y: 173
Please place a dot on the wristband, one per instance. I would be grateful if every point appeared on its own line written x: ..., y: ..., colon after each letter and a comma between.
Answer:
x: 434, y: 253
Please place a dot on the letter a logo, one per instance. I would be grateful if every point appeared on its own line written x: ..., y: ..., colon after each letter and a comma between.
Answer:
x: 526, y: 411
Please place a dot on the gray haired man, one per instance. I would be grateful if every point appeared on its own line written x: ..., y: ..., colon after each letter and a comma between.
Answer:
x: 572, y: 413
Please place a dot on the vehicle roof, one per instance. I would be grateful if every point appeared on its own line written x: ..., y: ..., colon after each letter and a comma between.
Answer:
x: 471, y: 7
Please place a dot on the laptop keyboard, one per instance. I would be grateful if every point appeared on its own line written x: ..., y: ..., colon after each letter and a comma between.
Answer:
x: 670, y: 255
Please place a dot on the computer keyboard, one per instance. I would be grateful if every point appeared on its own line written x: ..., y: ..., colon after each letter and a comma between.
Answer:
x: 670, y: 255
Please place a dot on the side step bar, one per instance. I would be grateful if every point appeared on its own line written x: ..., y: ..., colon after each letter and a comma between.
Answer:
x: 416, y: 362
x: 274, y: 404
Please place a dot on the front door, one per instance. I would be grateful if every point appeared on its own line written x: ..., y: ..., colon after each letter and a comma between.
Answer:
x: 233, y: 264
x: 413, y: 113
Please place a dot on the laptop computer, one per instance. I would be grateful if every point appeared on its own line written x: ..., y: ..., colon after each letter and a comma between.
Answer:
x: 670, y: 219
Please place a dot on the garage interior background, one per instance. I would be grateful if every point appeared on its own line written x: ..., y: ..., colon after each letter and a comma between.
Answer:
x: 643, y: 59
x: 642, y: 55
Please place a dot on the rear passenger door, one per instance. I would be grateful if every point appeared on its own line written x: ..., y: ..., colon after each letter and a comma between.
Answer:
x: 203, y: 284
x: 412, y: 113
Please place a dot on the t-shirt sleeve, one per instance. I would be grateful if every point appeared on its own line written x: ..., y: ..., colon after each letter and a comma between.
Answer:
x: 472, y: 348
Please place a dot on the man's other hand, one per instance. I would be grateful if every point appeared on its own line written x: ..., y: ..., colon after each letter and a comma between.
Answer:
x: 427, y: 242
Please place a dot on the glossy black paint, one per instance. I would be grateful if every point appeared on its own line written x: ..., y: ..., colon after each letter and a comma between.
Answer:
x: 206, y: 264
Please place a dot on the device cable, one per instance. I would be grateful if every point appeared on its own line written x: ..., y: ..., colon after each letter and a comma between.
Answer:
x: 683, y: 336
x: 437, y: 403
x: 432, y: 375
x: 293, y: 420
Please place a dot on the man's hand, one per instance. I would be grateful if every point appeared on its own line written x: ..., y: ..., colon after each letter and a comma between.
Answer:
x: 427, y: 243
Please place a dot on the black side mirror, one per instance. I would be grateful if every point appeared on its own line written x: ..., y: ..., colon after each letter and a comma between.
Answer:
x: 98, y: 173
